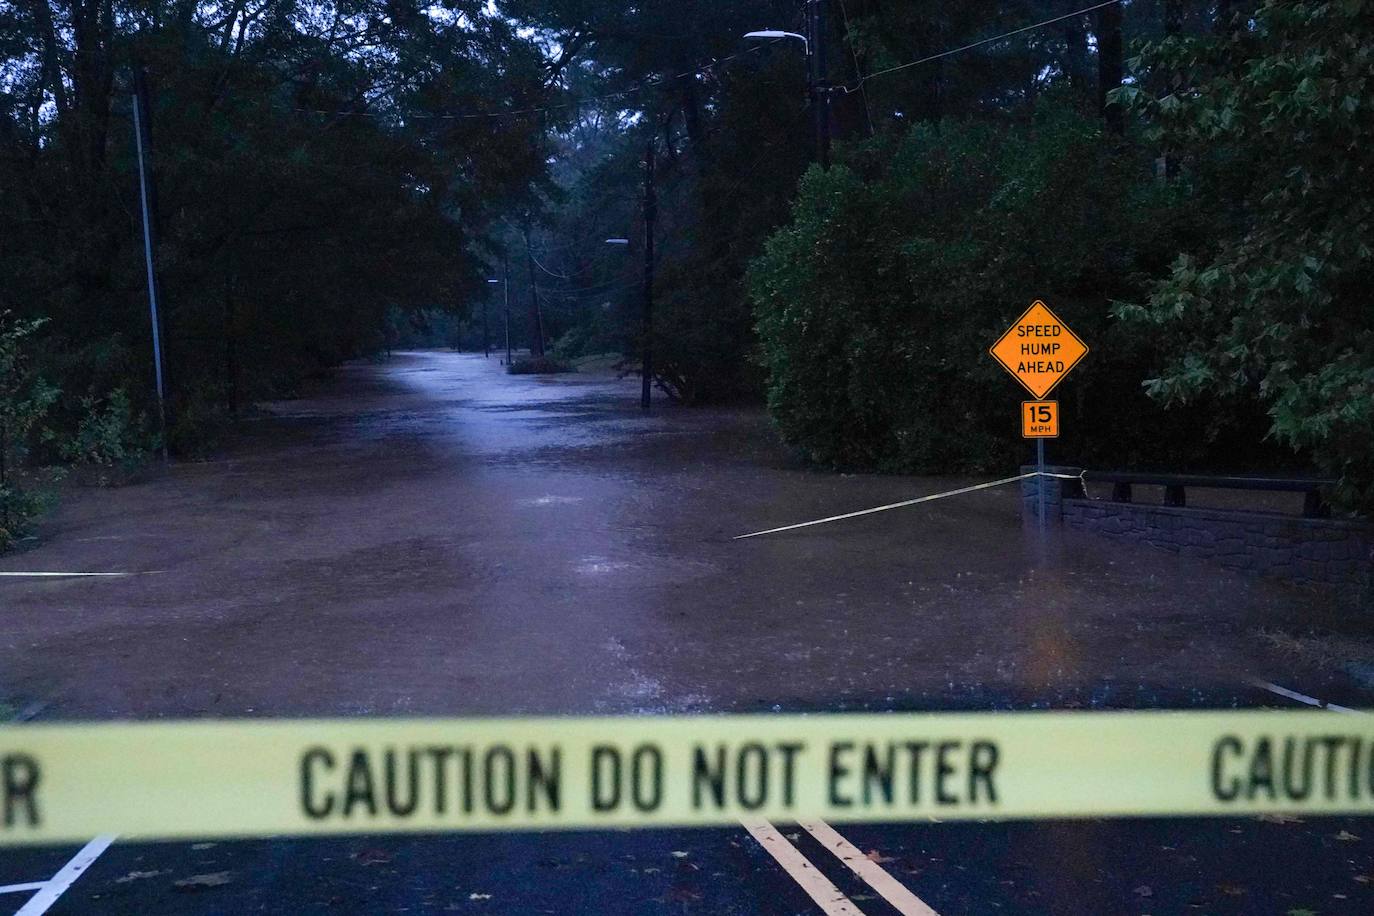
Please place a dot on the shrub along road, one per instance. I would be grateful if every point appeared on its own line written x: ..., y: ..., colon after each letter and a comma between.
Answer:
x: 431, y: 536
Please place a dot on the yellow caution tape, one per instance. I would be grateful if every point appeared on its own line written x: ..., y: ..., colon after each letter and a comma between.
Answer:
x: 264, y: 778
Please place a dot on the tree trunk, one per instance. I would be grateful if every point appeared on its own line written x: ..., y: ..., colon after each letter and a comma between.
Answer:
x: 1076, y: 52
x: 536, y: 317
x: 1110, y: 69
x: 1173, y: 27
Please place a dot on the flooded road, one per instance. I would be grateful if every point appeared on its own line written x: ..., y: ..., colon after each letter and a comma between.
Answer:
x: 432, y: 536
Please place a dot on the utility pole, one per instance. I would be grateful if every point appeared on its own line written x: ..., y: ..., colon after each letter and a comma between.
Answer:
x: 820, y: 85
x: 505, y: 289
x: 143, y: 146
x: 650, y: 214
x: 536, y: 317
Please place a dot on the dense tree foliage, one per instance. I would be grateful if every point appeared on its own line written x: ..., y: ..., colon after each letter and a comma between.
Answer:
x: 877, y: 303
x: 1227, y: 277
x: 1273, y: 118
x: 316, y: 167
x: 333, y: 179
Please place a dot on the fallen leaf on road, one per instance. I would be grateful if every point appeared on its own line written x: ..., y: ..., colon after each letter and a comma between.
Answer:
x: 1232, y: 890
x: 213, y: 879
x: 200, y: 846
x: 1346, y: 836
x: 679, y: 854
x: 136, y: 875
x: 1144, y: 891
x: 1279, y: 819
x: 372, y: 857
x: 874, y: 855
x: 477, y: 896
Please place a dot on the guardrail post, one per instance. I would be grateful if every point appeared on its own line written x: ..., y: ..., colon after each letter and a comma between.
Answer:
x: 1313, y: 506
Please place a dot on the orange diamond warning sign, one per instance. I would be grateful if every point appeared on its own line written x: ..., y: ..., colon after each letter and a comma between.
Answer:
x: 1038, y: 349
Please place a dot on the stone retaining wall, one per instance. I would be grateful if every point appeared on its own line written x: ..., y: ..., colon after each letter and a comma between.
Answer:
x: 1325, y: 551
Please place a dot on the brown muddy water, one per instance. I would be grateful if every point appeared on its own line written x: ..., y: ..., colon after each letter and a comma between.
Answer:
x: 432, y: 536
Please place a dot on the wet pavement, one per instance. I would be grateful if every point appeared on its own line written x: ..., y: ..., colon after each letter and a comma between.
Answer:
x: 432, y: 536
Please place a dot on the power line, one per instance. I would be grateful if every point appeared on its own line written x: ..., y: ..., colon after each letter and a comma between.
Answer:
x: 595, y: 289
x: 1087, y: 9
x: 858, y: 70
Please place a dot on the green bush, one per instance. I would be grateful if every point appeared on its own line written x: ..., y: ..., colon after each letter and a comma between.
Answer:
x: 876, y: 305
x: 109, y: 438
x: 538, y: 365
x: 198, y: 420
x: 594, y: 337
x: 24, y: 400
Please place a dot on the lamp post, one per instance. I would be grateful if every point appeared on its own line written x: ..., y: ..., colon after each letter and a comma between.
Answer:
x: 142, y: 144
x: 646, y: 369
x: 486, y: 349
x: 818, y: 86
x: 486, y: 329
x: 505, y: 289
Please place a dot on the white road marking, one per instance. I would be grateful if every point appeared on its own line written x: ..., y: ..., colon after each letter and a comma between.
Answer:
x: 1304, y: 698
x: 877, y: 877
x: 37, y: 575
x: 22, y: 888
x: 57, y: 885
x: 817, y: 886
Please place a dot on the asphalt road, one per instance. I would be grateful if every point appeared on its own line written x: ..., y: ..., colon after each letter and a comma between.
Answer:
x: 431, y: 536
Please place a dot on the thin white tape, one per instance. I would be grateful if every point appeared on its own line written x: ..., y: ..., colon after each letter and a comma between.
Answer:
x: 911, y: 502
x: 60, y: 575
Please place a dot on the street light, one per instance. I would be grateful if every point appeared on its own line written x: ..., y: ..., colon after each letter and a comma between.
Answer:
x: 646, y: 366
x: 818, y: 88
x: 774, y: 35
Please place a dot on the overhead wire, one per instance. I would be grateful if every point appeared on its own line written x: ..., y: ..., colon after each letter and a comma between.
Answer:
x: 858, y: 70
x: 975, y: 44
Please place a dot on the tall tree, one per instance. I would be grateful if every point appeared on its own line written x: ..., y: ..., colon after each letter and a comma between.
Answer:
x: 1110, y: 67
x: 1279, y: 133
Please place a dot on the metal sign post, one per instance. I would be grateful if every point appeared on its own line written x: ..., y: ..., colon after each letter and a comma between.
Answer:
x: 1040, y: 421
x: 1040, y: 481
x: 1039, y: 350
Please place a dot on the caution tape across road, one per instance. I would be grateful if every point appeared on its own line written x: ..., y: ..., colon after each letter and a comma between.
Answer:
x: 66, y: 782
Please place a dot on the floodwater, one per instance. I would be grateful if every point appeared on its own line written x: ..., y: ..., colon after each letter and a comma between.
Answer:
x: 433, y: 536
